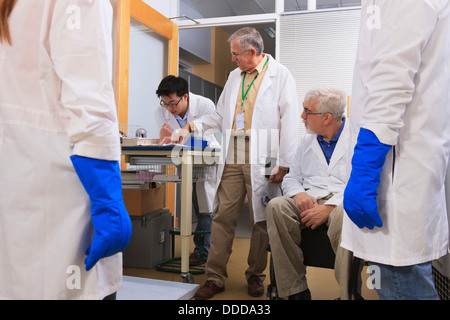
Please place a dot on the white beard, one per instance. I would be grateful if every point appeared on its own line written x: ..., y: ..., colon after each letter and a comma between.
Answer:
x: 308, y: 130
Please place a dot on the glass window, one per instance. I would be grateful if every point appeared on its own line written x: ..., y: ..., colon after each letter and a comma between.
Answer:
x: 197, y: 9
x: 299, y: 5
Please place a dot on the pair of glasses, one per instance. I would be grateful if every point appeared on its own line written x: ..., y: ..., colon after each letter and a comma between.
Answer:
x: 169, y: 105
x: 309, y: 113
x: 238, y: 54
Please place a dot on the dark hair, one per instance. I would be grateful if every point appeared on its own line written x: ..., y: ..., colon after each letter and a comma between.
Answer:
x: 171, y: 84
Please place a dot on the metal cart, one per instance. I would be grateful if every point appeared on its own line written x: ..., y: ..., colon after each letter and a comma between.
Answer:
x: 177, y: 164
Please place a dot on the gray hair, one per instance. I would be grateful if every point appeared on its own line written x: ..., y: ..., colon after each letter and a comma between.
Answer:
x: 249, y: 38
x: 330, y: 100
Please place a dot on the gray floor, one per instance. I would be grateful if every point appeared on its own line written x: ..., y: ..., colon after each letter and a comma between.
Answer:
x: 135, y: 288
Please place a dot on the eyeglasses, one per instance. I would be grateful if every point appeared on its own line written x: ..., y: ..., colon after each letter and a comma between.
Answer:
x: 238, y: 54
x: 170, y: 105
x: 309, y: 113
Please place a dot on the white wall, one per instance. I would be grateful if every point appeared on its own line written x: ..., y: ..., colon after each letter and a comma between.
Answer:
x: 148, y: 66
x: 319, y: 48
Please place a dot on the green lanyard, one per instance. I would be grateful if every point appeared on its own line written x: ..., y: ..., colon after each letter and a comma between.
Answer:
x: 244, y: 95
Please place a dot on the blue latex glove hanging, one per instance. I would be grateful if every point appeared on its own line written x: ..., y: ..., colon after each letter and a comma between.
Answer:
x: 112, y: 225
x: 360, y: 196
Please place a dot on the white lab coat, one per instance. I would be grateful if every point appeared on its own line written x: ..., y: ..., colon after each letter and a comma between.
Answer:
x: 198, y: 106
x: 56, y: 100
x: 402, y: 93
x: 311, y: 173
x: 275, y: 125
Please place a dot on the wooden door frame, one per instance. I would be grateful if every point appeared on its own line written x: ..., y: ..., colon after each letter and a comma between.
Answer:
x: 142, y: 12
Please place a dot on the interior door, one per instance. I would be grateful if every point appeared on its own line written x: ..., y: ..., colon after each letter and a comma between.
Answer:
x: 127, y: 13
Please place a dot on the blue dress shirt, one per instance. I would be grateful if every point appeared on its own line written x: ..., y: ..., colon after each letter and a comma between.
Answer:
x: 328, y: 146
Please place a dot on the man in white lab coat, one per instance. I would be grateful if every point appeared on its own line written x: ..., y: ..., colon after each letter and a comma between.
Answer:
x: 178, y: 107
x: 60, y: 184
x: 400, y: 122
x: 258, y: 116
x: 313, y: 193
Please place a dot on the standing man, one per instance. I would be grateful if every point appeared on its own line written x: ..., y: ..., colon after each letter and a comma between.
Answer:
x: 178, y: 107
x: 258, y: 116
x: 396, y: 196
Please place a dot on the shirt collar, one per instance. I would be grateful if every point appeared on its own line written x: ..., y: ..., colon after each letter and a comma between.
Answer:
x: 259, y: 67
x: 181, y: 119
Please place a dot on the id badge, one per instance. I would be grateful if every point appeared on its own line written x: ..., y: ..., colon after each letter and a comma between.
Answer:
x: 240, y: 121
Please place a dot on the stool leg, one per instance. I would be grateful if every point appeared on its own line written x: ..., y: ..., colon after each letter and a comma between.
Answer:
x: 173, y: 245
x: 353, y: 286
x: 272, y: 292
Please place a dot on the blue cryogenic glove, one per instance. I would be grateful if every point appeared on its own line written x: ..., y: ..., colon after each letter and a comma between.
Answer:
x: 112, y: 225
x: 360, y: 195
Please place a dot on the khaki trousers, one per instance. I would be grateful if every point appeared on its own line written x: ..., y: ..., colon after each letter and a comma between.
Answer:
x: 234, y: 186
x: 284, y: 229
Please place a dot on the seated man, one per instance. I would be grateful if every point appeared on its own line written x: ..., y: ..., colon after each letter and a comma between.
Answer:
x: 313, y: 194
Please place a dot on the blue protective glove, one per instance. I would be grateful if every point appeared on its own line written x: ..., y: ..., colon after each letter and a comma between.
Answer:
x: 360, y: 195
x: 112, y: 224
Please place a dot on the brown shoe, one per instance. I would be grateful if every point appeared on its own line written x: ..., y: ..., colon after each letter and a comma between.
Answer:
x: 194, y: 260
x: 255, y: 286
x: 208, y: 290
